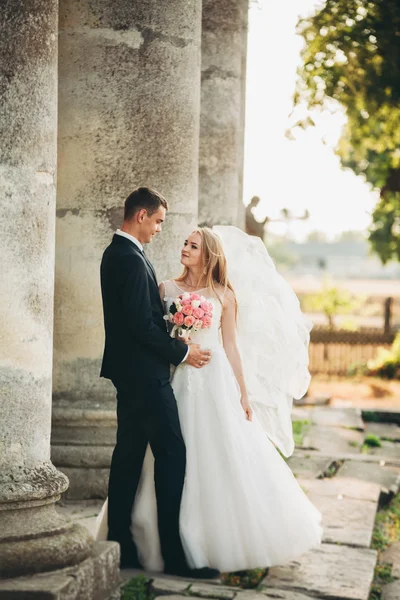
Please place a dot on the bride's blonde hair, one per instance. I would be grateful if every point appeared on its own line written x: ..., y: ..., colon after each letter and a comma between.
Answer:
x: 214, y: 263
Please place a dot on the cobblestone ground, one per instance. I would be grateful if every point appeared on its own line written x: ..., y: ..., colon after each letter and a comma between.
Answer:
x: 348, y: 467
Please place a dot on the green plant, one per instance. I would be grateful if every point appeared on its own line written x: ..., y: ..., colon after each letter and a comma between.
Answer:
x: 244, y: 579
x: 387, y: 362
x: 382, y: 575
x: 137, y: 588
x: 332, y: 301
x: 333, y: 468
x: 299, y: 430
x: 387, y: 525
x: 350, y: 58
x: 370, y: 416
x: 372, y: 440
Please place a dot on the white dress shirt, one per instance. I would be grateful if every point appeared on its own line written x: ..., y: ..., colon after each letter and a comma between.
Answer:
x: 139, y: 245
x: 130, y: 237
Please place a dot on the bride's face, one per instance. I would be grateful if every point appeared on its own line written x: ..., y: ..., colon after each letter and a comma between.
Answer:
x: 191, y: 255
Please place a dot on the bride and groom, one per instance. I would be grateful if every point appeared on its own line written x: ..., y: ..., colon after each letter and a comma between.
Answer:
x: 197, y: 484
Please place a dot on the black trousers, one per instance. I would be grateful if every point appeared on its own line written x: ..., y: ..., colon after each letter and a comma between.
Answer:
x: 147, y: 413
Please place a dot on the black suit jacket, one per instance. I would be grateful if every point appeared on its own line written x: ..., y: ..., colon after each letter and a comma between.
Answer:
x: 137, y: 343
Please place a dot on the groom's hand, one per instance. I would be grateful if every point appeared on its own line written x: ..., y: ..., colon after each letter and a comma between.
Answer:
x: 197, y: 357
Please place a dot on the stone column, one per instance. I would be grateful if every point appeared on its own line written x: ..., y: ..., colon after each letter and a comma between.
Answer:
x: 129, y: 108
x: 33, y: 537
x: 224, y: 43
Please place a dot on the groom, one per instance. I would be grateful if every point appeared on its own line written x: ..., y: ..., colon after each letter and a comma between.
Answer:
x: 137, y: 356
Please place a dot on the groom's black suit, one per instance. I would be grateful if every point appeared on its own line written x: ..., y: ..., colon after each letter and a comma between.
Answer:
x: 137, y: 356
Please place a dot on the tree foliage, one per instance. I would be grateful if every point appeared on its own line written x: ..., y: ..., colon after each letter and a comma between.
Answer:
x: 352, y: 55
x: 332, y: 301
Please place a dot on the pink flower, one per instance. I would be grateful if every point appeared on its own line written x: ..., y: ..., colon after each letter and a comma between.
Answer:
x: 187, y: 310
x: 194, y: 297
x: 186, y: 301
x: 198, y: 324
x: 206, y: 321
x: 198, y: 313
x: 179, y: 318
x: 210, y: 307
x: 204, y: 306
x: 189, y: 321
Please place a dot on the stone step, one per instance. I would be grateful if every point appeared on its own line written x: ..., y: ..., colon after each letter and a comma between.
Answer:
x: 331, y: 571
x: 390, y: 450
x: 391, y: 556
x: 95, y: 578
x: 348, y: 508
x: 390, y: 431
x: 387, y: 477
x: 333, y: 440
x: 338, y: 417
x: 391, y: 591
x: 311, y: 467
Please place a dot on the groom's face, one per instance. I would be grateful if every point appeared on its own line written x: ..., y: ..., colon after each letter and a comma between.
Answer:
x: 151, y: 225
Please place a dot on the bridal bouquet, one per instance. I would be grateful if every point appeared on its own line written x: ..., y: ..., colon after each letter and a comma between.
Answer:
x: 189, y: 313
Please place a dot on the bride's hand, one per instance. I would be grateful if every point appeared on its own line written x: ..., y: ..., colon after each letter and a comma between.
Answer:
x: 248, y: 411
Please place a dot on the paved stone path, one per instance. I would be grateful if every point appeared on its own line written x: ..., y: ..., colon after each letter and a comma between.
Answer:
x: 347, y: 481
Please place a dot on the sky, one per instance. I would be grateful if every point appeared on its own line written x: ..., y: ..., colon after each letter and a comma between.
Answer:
x: 301, y: 174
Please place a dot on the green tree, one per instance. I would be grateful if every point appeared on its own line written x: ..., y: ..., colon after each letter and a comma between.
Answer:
x: 352, y: 55
x: 332, y: 301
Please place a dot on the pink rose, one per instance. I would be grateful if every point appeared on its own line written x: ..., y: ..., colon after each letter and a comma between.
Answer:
x: 198, y: 324
x: 194, y: 297
x: 189, y: 321
x: 186, y: 301
x: 210, y: 307
x: 206, y: 321
x: 179, y: 318
x: 204, y: 306
x: 187, y: 310
x: 198, y: 313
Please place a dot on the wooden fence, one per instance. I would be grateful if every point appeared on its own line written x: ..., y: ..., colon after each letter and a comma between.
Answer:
x: 335, y: 352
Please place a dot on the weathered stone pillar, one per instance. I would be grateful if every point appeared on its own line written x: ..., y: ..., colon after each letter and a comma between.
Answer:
x: 33, y: 537
x: 223, y: 67
x: 129, y: 108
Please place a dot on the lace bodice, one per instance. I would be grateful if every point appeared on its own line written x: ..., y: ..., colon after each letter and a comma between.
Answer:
x: 207, y: 338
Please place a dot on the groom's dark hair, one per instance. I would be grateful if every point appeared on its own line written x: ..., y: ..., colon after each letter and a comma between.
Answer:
x: 143, y: 197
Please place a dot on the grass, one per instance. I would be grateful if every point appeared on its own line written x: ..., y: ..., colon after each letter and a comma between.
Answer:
x: 371, y: 441
x: 137, y: 588
x: 244, y: 579
x: 386, y: 532
x: 382, y: 575
x: 299, y: 430
x: 333, y: 469
x: 387, y: 525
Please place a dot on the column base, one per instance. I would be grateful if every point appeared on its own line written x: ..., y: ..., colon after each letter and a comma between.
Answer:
x: 96, y: 578
x: 33, y: 537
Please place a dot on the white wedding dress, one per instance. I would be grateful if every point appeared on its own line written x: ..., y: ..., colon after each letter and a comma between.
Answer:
x: 242, y: 508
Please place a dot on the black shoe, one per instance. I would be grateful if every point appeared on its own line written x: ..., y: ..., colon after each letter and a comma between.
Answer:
x: 129, y: 562
x: 129, y: 558
x: 204, y: 573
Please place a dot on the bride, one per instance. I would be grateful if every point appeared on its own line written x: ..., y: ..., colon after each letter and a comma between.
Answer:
x: 241, y: 508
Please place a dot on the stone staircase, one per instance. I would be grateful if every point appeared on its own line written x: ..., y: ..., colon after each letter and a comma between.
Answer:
x: 347, y: 485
